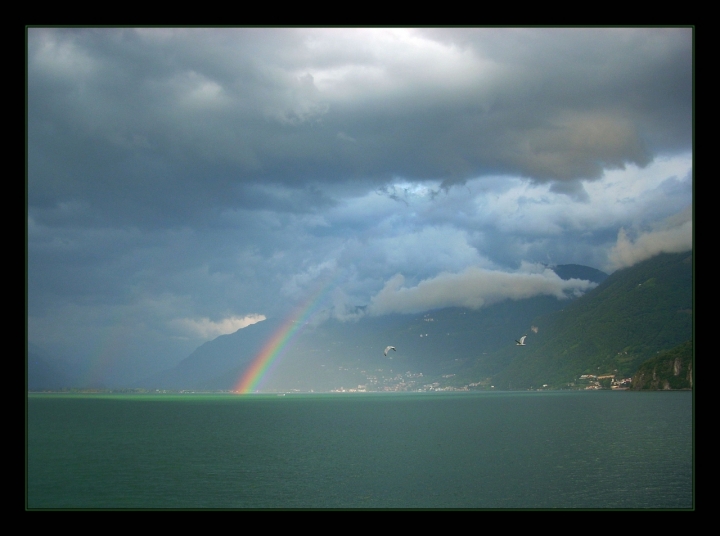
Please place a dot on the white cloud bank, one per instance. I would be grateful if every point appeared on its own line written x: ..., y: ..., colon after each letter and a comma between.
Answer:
x: 674, y: 235
x: 207, y: 329
x: 473, y: 288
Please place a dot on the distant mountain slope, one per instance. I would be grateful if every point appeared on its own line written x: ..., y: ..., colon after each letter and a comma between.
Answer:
x: 334, y: 353
x: 46, y: 373
x: 215, y: 357
x: 627, y: 319
x: 668, y: 370
x: 578, y: 271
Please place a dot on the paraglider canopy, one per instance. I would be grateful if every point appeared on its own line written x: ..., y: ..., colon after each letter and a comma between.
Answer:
x: 388, y: 349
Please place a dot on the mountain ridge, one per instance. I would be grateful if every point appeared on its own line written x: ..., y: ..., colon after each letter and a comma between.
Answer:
x: 437, y: 342
x: 628, y: 318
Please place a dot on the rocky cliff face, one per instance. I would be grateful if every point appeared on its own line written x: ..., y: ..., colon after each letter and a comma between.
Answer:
x: 669, y: 370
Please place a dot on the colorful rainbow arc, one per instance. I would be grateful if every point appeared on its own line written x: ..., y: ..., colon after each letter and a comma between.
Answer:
x: 261, y: 363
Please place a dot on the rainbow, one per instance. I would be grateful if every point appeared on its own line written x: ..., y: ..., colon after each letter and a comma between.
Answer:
x: 105, y: 351
x: 260, y: 365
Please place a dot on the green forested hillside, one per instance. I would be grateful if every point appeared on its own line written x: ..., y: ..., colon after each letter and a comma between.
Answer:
x: 627, y: 319
x: 668, y: 370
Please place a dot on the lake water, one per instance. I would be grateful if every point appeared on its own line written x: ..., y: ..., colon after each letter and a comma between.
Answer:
x: 436, y: 450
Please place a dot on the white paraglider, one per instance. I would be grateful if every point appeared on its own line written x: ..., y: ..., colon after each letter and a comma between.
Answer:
x: 388, y: 349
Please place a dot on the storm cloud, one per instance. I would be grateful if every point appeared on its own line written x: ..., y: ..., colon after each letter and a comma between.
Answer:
x: 135, y: 117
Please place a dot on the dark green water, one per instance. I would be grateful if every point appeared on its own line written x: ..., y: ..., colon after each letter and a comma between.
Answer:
x: 460, y: 450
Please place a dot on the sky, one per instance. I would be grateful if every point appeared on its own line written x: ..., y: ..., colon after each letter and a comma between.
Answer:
x: 183, y: 183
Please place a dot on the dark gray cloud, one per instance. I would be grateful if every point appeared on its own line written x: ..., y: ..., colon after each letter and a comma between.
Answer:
x: 136, y: 118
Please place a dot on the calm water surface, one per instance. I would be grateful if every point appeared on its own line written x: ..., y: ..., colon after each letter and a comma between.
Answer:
x: 459, y: 450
